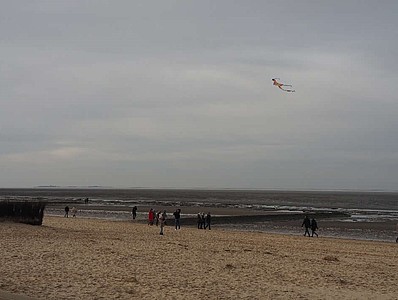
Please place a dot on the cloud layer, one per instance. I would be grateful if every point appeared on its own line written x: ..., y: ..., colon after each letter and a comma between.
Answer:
x: 178, y: 94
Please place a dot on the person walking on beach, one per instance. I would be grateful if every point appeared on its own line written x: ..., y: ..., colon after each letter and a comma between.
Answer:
x: 134, y: 212
x: 307, y: 225
x: 66, y: 212
x: 199, y: 220
x: 165, y: 217
x: 74, y: 211
x: 162, y: 220
x: 208, y: 221
x: 314, y: 227
x: 151, y: 216
x: 157, y: 217
x: 177, y: 216
x: 397, y: 237
x: 203, y: 217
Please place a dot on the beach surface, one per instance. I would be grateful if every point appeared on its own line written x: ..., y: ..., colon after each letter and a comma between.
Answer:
x: 83, y: 258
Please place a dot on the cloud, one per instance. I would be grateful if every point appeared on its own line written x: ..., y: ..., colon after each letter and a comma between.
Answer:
x: 43, y: 157
x: 176, y: 91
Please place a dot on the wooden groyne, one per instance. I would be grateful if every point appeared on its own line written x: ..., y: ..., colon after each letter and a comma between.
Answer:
x: 28, y: 212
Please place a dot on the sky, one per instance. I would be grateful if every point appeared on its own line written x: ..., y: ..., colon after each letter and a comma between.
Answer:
x: 178, y: 94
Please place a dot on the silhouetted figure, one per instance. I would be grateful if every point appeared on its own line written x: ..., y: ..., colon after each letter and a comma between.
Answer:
x: 66, y: 212
x: 314, y: 227
x: 134, y: 212
x: 208, y: 221
x: 397, y: 237
x: 307, y: 225
x: 86, y: 201
x: 177, y: 217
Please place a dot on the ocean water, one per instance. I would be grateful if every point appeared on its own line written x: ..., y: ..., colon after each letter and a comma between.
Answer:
x: 361, y: 206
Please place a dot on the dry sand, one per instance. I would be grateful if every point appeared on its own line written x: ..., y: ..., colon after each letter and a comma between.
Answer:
x: 72, y: 258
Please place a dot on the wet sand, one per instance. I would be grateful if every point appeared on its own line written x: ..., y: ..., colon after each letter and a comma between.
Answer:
x: 82, y: 258
x: 331, y: 224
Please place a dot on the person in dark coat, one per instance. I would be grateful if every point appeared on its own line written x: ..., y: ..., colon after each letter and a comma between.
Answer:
x: 177, y: 217
x: 134, y: 212
x: 66, y: 212
x: 199, y: 220
x: 208, y: 221
x: 314, y: 227
x: 307, y: 225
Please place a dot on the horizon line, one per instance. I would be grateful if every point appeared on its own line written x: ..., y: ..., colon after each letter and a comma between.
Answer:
x: 203, y: 188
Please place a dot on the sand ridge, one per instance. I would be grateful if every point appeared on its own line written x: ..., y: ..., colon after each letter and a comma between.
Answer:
x: 101, y: 259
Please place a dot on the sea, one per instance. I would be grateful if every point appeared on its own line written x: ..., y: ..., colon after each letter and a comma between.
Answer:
x: 358, y: 206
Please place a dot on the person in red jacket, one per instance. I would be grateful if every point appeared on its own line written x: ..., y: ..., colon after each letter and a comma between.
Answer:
x: 151, y: 216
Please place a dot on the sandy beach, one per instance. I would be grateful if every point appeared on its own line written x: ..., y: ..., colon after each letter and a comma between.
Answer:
x: 82, y: 258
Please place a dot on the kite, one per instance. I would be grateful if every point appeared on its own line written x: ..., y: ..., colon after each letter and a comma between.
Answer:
x: 282, y: 85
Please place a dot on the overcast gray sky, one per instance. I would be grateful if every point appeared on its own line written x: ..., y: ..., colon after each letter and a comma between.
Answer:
x: 179, y: 94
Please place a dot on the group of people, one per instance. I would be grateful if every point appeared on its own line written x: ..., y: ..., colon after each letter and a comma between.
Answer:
x: 204, y: 221
x: 73, y: 211
x: 310, y: 224
x: 160, y: 218
x: 153, y: 216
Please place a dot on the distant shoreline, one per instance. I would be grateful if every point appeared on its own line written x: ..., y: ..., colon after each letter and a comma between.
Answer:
x: 281, y: 190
